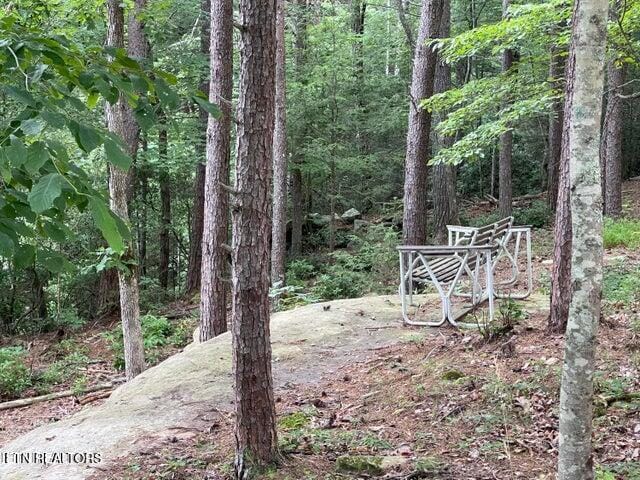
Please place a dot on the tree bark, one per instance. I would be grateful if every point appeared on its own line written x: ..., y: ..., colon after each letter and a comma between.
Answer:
x: 297, y: 195
x: 165, y: 208
x: 612, y: 178
x: 575, y: 456
x: 445, y: 205
x: 505, y: 187
x: 556, y: 74
x: 422, y: 84
x: 197, y: 213
x: 213, y: 294
x: 279, y: 231
x: 120, y: 121
x: 562, y: 233
x: 255, y: 425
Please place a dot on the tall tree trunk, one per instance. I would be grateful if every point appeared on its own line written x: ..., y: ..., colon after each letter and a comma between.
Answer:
x: 445, y: 205
x: 121, y: 122
x: 255, y: 429
x: 422, y: 83
x: 556, y: 74
x: 197, y: 212
x: 505, y: 186
x: 561, y: 270
x: 279, y: 231
x: 142, y: 174
x: 575, y: 460
x: 38, y: 295
x: 297, y: 210
x: 406, y: 26
x: 165, y: 207
x: 213, y: 297
x: 612, y: 178
x: 297, y: 194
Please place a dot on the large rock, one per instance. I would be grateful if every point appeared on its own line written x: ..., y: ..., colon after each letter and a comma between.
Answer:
x: 350, y: 215
x: 180, y: 395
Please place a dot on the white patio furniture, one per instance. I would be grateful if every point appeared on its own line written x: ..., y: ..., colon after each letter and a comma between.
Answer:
x: 445, y: 265
x: 511, y: 250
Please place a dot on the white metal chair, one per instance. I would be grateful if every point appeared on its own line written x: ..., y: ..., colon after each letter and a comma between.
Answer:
x: 510, y: 248
x: 444, y: 266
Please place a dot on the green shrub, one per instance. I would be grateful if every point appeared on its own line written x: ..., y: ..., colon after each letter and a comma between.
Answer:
x: 298, y: 271
x: 339, y: 284
x: 15, y: 377
x: 156, y: 333
x: 621, y: 233
x: 538, y: 214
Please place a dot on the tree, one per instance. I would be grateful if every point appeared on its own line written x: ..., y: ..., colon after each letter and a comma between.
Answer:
x: 505, y: 187
x: 213, y: 293
x: 422, y: 82
x: 279, y: 231
x: 554, y: 151
x: 165, y: 205
x: 561, y: 270
x: 121, y: 122
x: 297, y: 197
x: 255, y: 424
x: 612, y: 142
x: 445, y: 205
x: 194, y: 273
x: 575, y: 460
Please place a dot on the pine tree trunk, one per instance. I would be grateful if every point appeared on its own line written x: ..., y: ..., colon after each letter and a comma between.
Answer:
x: 213, y: 293
x: 422, y: 83
x: 165, y: 209
x: 556, y: 74
x: 445, y: 205
x: 297, y: 211
x: 297, y: 194
x: 255, y: 432
x: 121, y: 122
x: 197, y: 212
x: 575, y: 456
x: 197, y: 226
x: 279, y: 232
x: 612, y: 178
x: 505, y: 187
x: 561, y: 270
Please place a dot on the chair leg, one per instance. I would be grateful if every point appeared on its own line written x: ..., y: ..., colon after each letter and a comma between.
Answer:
x: 490, y: 292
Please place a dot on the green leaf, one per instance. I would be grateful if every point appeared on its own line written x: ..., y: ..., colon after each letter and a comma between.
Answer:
x: 5, y: 166
x: 37, y: 156
x: 54, y: 119
x: 54, y: 262
x: 6, y: 245
x: 115, y: 155
x: 24, y: 256
x: 44, y: 192
x: 16, y: 152
x: 92, y: 99
x: 166, y: 94
x: 87, y: 138
x: 207, y: 106
x: 20, y: 95
x: 106, y: 223
x: 32, y: 126
x: 54, y: 232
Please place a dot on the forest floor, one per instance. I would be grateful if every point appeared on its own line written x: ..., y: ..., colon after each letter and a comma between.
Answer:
x: 440, y: 403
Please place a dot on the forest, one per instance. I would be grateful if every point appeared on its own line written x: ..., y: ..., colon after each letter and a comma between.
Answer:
x: 319, y: 239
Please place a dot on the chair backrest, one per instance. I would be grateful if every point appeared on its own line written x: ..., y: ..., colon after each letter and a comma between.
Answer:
x: 501, y: 232
x: 484, y: 235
